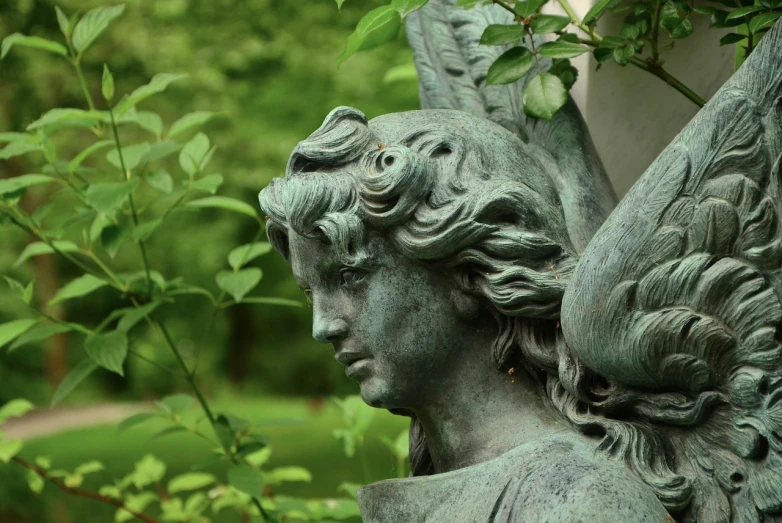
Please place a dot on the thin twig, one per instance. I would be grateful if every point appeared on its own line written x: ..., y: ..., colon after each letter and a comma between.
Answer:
x: 83, y: 493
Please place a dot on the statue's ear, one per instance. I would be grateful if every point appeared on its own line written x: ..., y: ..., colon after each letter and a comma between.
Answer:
x: 467, y: 299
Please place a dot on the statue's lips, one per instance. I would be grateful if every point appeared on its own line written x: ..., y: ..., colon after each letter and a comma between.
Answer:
x: 349, y: 358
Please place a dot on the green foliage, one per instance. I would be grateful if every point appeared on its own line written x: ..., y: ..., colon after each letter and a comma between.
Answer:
x: 544, y: 95
x: 510, y: 66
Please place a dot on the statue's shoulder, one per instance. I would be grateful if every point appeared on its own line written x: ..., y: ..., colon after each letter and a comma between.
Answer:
x: 559, y: 479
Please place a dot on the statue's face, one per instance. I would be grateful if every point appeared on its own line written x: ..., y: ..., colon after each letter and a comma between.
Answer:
x: 393, y: 323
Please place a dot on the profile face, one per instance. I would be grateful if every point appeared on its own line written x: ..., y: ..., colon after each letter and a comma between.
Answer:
x: 392, y: 322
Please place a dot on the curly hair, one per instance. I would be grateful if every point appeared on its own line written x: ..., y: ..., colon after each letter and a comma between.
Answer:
x: 464, y: 194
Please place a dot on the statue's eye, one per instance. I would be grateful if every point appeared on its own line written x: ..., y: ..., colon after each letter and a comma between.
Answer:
x: 349, y: 276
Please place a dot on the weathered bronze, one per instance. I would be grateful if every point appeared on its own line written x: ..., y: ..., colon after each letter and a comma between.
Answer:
x: 552, y: 371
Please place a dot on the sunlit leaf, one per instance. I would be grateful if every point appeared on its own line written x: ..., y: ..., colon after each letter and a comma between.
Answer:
x: 131, y: 155
x: 405, y: 7
x: 18, y: 148
x: 93, y: 24
x: 30, y: 41
x: 764, y: 21
x: 97, y: 146
x: 282, y: 474
x: 150, y: 121
x: 77, y: 374
x: 9, y: 449
x: 401, y: 73
x: 543, y: 96
x: 543, y: 24
x: 148, y: 470
x: 562, y: 50
x: 193, y: 153
x: 161, y: 181
x: 190, y: 481
x: 268, y: 300
x: 595, y: 11
x: 107, y: 84
x: 90, y: 467
x: 15, y: 408
x: 209, y: 183
x: 178, y: 429
x: 132, y: 421
x: 81, y: 286
x: 160, y: 150
x: 175, y: 403
x: 66, y: 116
x: 143, y: 231
x: 135, y: 315
x: 34, y: 481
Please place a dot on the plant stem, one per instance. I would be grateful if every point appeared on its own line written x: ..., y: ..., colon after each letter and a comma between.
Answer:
x: 77, y: 65
x: 134, y: 214
x: 655, y: 34
x: 653, y: 68
x: 83, y: 493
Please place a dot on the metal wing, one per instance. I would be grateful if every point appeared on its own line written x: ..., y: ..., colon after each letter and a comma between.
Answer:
x: 680, y: 292
x: 452, y: 67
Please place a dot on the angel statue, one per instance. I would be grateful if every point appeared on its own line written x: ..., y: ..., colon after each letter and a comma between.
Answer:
x: 560, y: 360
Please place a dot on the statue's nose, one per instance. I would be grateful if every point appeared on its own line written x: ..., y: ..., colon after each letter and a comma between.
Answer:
x: 327, y: 325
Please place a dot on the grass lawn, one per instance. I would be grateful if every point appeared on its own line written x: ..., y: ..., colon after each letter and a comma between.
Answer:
x: 299, y: 436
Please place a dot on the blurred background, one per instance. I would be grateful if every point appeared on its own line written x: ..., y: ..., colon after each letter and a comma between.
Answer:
x: 268, y: 67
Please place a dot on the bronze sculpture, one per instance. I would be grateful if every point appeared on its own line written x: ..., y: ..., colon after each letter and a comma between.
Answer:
x: 549, y: 376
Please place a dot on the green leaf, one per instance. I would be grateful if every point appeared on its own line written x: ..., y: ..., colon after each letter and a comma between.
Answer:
x: 265, y: 300
x: 78, y: 374
x: 135, y: 315
x: 143, y: 231
x: 189, y: 121
x: 77, y: 161
x: 732, y: 38
x: 136, y: 502
x: 9, y: 449
x: 27, y: 296
x: 595, y: 12
x: 193, y: 154
x: 175, y: 403
x: 703, y: 10
x: 161, y: 181
x: 743, y: 11
x: 209, y: 183
x: 65, y: 116
x: 158, y: 84
x: 14, y: 149
x: 401, y: 73
x: 510, y: 66
x: 14, y: 409
x: 160, y: 150
x: 11, y: 330
x: 246, y: 479
x: 246, y: 253
x: 282, y: 474
x: 222, y: 202
x: 38, y: 333
x: 177, y: 429
x: 132, y: 421
x: 673, y: 18
x: 108, y: 350
x: 339, y: 3
x: 34, y: 481
x: 17, y: 137
x: 131, y: 155
x: 405, y: 7
x: 238, y: 284
x: 190, y: 481
x: 763, y: 21
x: 148, y: 470
x: 496, y: 34
x: 40, y: 248
x: 12, y: 185
x: 561, y: 50
x: 150, y: 121
x: 111, y: 238
x: 30, y: 41
x: 81, y: 286
x: 15, y: 286
x: 107, y: 85
x: 630, y: 31
x: 225, y: 434
x: 89, y: 468
x: 107, y: 197
x: 623, y: 55
x: 376, y: 27
x: 63, y: 22
x: 93, y: 24
x: 543, y: 24
x: 351, y: 489
x: 543, y: 96
x: 527, y: 8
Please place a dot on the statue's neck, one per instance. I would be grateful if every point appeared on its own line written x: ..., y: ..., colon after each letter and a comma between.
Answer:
x: 485, y: 414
